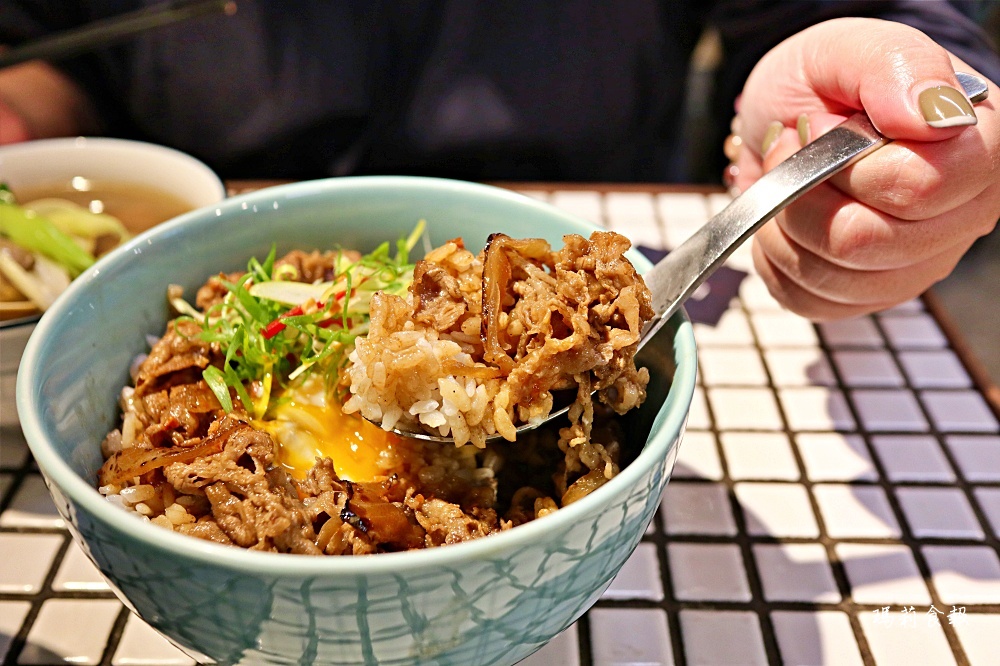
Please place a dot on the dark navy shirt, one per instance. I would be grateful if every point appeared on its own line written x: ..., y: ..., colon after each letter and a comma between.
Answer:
x: 536, y: 90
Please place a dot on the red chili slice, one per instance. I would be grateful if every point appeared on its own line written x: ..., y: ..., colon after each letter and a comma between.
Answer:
x: 277, y: 326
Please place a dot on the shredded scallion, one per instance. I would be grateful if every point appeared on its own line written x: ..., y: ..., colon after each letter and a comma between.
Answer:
x: 274, y: 330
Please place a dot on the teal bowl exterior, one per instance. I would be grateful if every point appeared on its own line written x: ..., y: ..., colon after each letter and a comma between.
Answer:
x: 491, y: 601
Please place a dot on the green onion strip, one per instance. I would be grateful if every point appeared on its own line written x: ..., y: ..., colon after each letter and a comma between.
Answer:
x: 269, y: 342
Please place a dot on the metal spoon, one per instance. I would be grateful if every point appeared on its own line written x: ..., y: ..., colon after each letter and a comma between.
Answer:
x: 678, y: 275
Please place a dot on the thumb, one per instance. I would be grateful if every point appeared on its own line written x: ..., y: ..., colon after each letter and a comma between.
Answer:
x: 899, y: 76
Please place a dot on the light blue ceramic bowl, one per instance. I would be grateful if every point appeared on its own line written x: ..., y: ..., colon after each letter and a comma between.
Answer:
x: 492, y: 601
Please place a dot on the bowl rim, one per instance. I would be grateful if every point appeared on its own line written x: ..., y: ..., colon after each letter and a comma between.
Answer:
x: 78, y: 143
x: 77, y: 489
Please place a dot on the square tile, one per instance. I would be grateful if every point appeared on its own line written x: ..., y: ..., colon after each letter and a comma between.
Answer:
x: 541, y: 195
x: 914, y: 331
x: 745, y: 409
x: 582, y: 203
x: 889, y: 410
x: 856, y: 511
x: 708, y: 572
x: 816, y: 408
x: 632, y: 214
x: 12, y: 615
x: 835, y: 457
x: 732, y: 366
x: 717, y: 201
x: 763, y: 456
x: 698, y: 416
x: 913, y: 458
x: 677, y: 231
x: 742, y: 260
x: 697, y: 508
x: 989, y: 502
x: 867, y: 368
x: 783, y: 329
x: 141, y: 645
x: 977, y: 456
x: 630, y: 207
x: 882, y: 574
x: 698, y: 457
x: 938, y: 512
x: 756, y: 297
x: 964, y: 575
x: 722, y: 638
x: 648, y: 637
x: 70, y: 630
x: 31, y: 507
x: 796, y: 572
x: 639, y: 578
x: 732, y: 330
x: 799, y: 367
x: 934, y: 369
x: 777, y: 509
x: 860, y: 332
x: 814, y: 638
x: 677, y: 207
x: 26, y: 558
x: 959, y: 411
x: 904, y: 638
x: 978, y: 636
x: 77, y: 573
x: 912, y: 306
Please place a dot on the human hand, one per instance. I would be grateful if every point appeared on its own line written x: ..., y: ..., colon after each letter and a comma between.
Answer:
x: 887, y: 228
x: 38, y: 101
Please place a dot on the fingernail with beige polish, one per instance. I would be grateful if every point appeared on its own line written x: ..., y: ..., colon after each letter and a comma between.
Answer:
x: 771, y: 137
x: 802, y: 125
x: 943, y: 106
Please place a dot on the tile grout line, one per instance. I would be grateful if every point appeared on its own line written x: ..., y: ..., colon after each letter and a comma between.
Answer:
x: 828, y: 544
x: 932, y: 428
x: 659, y: 536
x: 757, y: 603
x: 837, y: 570
x: 907, y: 538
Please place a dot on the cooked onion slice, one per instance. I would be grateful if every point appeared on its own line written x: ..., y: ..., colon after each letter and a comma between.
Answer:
x: 496, y: 277
x: 41, y: 285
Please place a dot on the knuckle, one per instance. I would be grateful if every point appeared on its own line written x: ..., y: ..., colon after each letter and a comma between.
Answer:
x: 853, y: 240
x: 910, y: 190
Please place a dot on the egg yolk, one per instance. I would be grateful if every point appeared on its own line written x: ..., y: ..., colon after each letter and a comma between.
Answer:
x: 307, y: 426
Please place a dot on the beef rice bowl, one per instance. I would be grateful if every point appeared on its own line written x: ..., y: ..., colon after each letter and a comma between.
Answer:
x: 242, y: 425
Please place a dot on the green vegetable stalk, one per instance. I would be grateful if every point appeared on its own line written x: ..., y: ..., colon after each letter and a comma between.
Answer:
x: 274, y: 329
x: 38, y: 234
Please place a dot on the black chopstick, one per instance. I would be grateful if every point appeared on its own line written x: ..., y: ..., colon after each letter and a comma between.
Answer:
x: 108, y: 31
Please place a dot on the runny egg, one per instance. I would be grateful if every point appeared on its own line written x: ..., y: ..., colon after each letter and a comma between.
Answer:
x: 307, y: 426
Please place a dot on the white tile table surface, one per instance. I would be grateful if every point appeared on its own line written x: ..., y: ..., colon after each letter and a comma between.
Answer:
x: 836, y: 500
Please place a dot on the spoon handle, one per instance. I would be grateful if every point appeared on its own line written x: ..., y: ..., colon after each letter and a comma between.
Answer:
x: 676, y: 277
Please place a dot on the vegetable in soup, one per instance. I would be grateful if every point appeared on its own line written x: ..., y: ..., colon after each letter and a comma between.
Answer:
x: 48, y: 235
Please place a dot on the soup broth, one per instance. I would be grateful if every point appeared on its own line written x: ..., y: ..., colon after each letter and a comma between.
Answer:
x: 139, y: 207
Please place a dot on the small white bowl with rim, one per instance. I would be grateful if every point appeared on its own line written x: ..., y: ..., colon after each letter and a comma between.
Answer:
x: 54, y: 165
